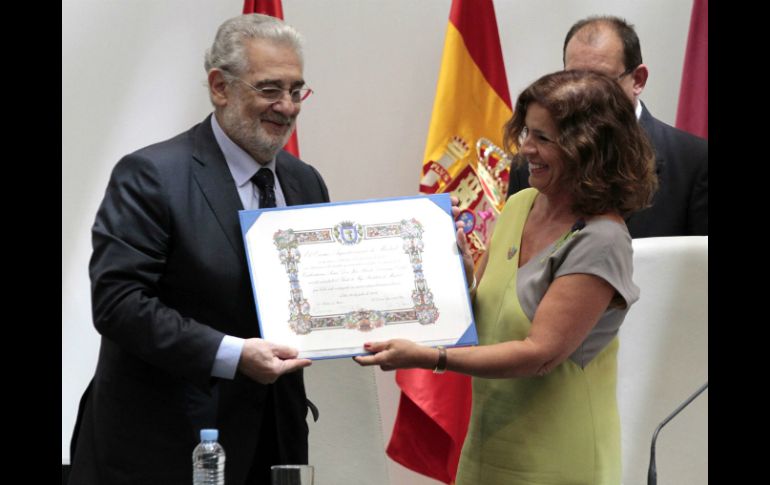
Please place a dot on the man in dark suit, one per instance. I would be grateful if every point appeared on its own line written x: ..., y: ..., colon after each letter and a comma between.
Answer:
x: 171, y: 293
x: 610, y: 46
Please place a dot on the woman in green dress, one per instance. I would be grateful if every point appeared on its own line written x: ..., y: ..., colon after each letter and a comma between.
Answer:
x: 553, y: 289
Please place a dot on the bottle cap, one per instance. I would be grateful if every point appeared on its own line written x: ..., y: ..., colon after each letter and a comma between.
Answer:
x: 209, y: 434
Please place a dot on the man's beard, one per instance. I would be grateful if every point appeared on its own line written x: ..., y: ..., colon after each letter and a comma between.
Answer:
x: 252, y: 137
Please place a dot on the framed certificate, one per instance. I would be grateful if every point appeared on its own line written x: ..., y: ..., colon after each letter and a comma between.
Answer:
x: 329, y: 277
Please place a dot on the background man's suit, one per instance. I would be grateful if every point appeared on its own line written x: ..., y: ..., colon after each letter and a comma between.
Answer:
x: 169, y: 279
x: 680, y: 206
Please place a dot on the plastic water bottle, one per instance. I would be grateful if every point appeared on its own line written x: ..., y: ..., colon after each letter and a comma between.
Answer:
x: 209, y: 460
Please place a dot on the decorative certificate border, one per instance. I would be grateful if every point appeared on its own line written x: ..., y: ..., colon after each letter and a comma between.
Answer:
x: 349, y: 233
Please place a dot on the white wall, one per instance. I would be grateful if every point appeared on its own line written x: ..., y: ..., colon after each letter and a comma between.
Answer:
x: 132, y: 75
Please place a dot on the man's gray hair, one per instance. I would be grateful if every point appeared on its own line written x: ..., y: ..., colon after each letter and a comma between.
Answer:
x: 227, y: 51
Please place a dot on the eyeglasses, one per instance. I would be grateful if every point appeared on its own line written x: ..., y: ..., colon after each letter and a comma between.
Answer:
x: 273, y: 94
x: 625, y: 73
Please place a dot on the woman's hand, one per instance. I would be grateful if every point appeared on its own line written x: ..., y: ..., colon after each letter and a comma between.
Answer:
x: 398, y: 354
x: 462, y: 242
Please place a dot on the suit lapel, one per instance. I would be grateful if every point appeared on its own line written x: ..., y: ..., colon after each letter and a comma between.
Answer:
x: 217, y: 184
x: 649, y: 125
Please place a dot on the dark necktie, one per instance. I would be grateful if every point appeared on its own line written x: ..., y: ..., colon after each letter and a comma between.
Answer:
x: 265, y: 182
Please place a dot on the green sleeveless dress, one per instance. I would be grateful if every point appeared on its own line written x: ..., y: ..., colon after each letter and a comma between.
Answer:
x: 562, y: 428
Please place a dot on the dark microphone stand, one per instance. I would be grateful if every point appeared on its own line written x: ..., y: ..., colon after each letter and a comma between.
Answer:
x: 652, y: 474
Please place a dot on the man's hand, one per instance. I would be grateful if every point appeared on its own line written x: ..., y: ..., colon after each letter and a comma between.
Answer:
x: 265, y: 362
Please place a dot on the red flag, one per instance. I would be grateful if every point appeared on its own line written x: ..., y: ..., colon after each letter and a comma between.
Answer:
x: 462, y: 156
x: 431, y: 423
x: 692, y: 113
x: 274, y: 9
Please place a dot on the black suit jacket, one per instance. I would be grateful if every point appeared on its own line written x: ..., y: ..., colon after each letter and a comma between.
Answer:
x: 169, y: 280
x: 680, y: 206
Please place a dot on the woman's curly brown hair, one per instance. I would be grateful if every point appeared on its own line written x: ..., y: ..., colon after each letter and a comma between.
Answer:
x: 609, y: 162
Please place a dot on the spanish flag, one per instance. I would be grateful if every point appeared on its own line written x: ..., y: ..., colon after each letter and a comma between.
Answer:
x: 463, y: 156
x: 272, y: 8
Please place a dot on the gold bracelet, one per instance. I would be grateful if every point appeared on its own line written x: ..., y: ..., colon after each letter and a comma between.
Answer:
x: 441, y: 364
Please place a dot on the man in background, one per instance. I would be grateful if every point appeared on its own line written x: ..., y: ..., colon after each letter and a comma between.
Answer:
x: 171, y: 294
x: 610, y: 46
